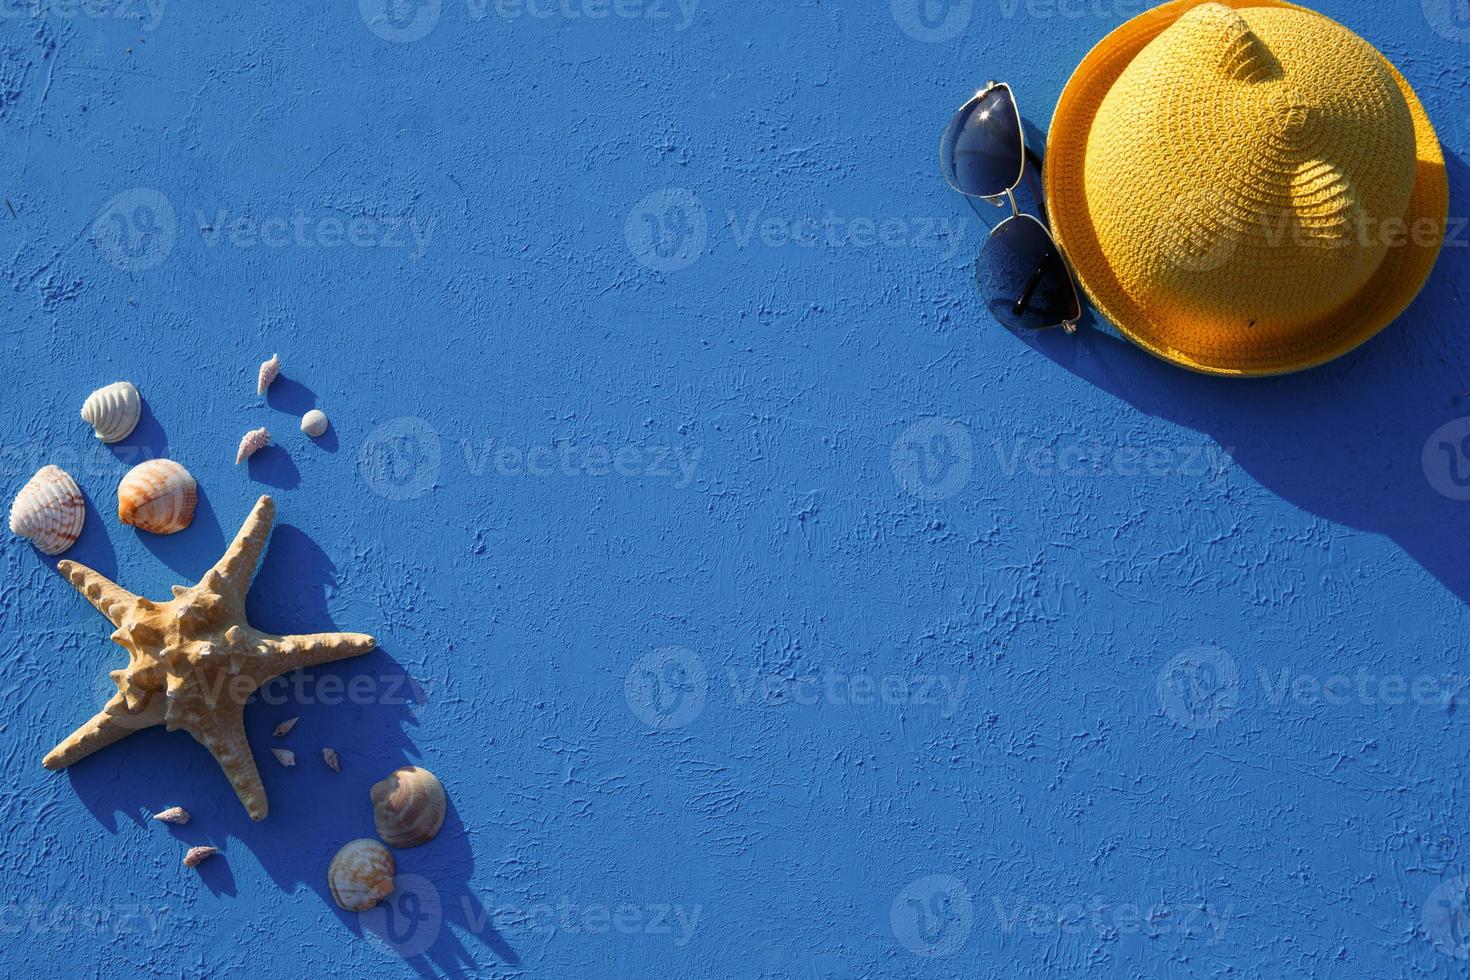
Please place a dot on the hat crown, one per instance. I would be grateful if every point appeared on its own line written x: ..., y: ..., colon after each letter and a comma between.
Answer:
x: 1245, y: 171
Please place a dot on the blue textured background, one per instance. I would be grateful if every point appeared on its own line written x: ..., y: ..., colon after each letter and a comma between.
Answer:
x: 622, y: 669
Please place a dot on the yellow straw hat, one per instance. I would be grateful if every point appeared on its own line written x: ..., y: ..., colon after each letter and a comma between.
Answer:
x: 1245, y: 187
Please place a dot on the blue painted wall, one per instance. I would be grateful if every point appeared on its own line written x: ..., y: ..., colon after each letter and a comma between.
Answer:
x: 765, y: 610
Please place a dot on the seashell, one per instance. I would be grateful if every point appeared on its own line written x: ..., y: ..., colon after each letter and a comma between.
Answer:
x: 253, y: 442
x: 314, y: 422
x: 268, y: 371
x: 157, y: 496
x: 174, y: 814
x: 113, y: 411
x: 330, y: 758
x: 49, y: 510
x: 197, y: 856
x: 284, y: 728
x: 284, y: 756
x: 361, y: 875
x: 408, y: 807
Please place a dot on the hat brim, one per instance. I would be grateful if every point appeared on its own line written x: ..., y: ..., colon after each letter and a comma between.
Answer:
x: 1399, y: 279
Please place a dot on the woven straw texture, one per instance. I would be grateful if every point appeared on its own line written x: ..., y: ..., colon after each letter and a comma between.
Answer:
x: 1245, y: 187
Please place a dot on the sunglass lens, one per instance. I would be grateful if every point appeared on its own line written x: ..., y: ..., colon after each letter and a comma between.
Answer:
x: 1021, y: 274
x: 982, y: 153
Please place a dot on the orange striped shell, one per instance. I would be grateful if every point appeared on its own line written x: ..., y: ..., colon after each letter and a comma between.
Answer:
x: 49, y: 510
x: 157, y: 496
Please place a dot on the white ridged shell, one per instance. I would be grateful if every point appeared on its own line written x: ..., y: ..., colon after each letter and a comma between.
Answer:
x: 408, y: 806
x: 253, y: 442
x: 49, y: 510
x: 268, y: 371
x: 113, y: 411
x: 157, y: 496
x: 361, y: 875
x: 314, y: 422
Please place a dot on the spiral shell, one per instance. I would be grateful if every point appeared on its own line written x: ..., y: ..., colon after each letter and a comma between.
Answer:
x: 361, y: 875
x: 157, y: 496
x: 198, y: 855
x: 268, y: 371
x: 174, y: 815
x: 284, y: 756
x: 329, y: 756
x: 49, y: 510
x: 314, y: 422
x: 408, y: 807
x: 113, y: 411
x: 254, y: 441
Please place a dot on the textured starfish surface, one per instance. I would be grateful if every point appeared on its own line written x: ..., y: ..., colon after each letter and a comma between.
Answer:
x: 194, y: 660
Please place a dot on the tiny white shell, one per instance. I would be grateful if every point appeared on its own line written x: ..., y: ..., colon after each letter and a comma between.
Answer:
x: 113, y: 411
x: 361, y: 875
x: 284, y: 728
x: 197, y: 856
x: 49, y: 510
x: 314, y: 422
x: 284, y: 756
x: 174, y: 814
x: 329, y: 756
x: 268, y: 371
x: 254, y: 441
x: 157, y: 496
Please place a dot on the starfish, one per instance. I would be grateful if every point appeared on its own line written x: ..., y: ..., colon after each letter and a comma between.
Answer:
x: 194, y: 660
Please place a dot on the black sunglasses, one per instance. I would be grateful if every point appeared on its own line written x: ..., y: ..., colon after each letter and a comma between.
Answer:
x: 1020, y: 269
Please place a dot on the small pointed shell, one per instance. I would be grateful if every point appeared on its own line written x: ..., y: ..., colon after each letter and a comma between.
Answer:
x: 157, y: 496
x: 49, y: 510
x: 253, y: 442
x: 361, y: 875
x: 284, y: 728
x: 314, y: 422
x: 197, y: 856
x: 174, y: 814
x: 268, y: 371
x: 408, y: 807
x: 113, y: 411
x: 284, y: 756
x: 330, y: 758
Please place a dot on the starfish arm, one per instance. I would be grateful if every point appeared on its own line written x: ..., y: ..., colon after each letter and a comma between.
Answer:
x: 231, y: 574
x: 287, y: 653
x: 225, y: 739
x: 111, y: 599
x: 112, y: 724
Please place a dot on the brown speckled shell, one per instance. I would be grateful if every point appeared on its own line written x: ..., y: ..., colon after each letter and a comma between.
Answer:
x: 361, y: 875
x: 408, y: 807
x: 157, y: 496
